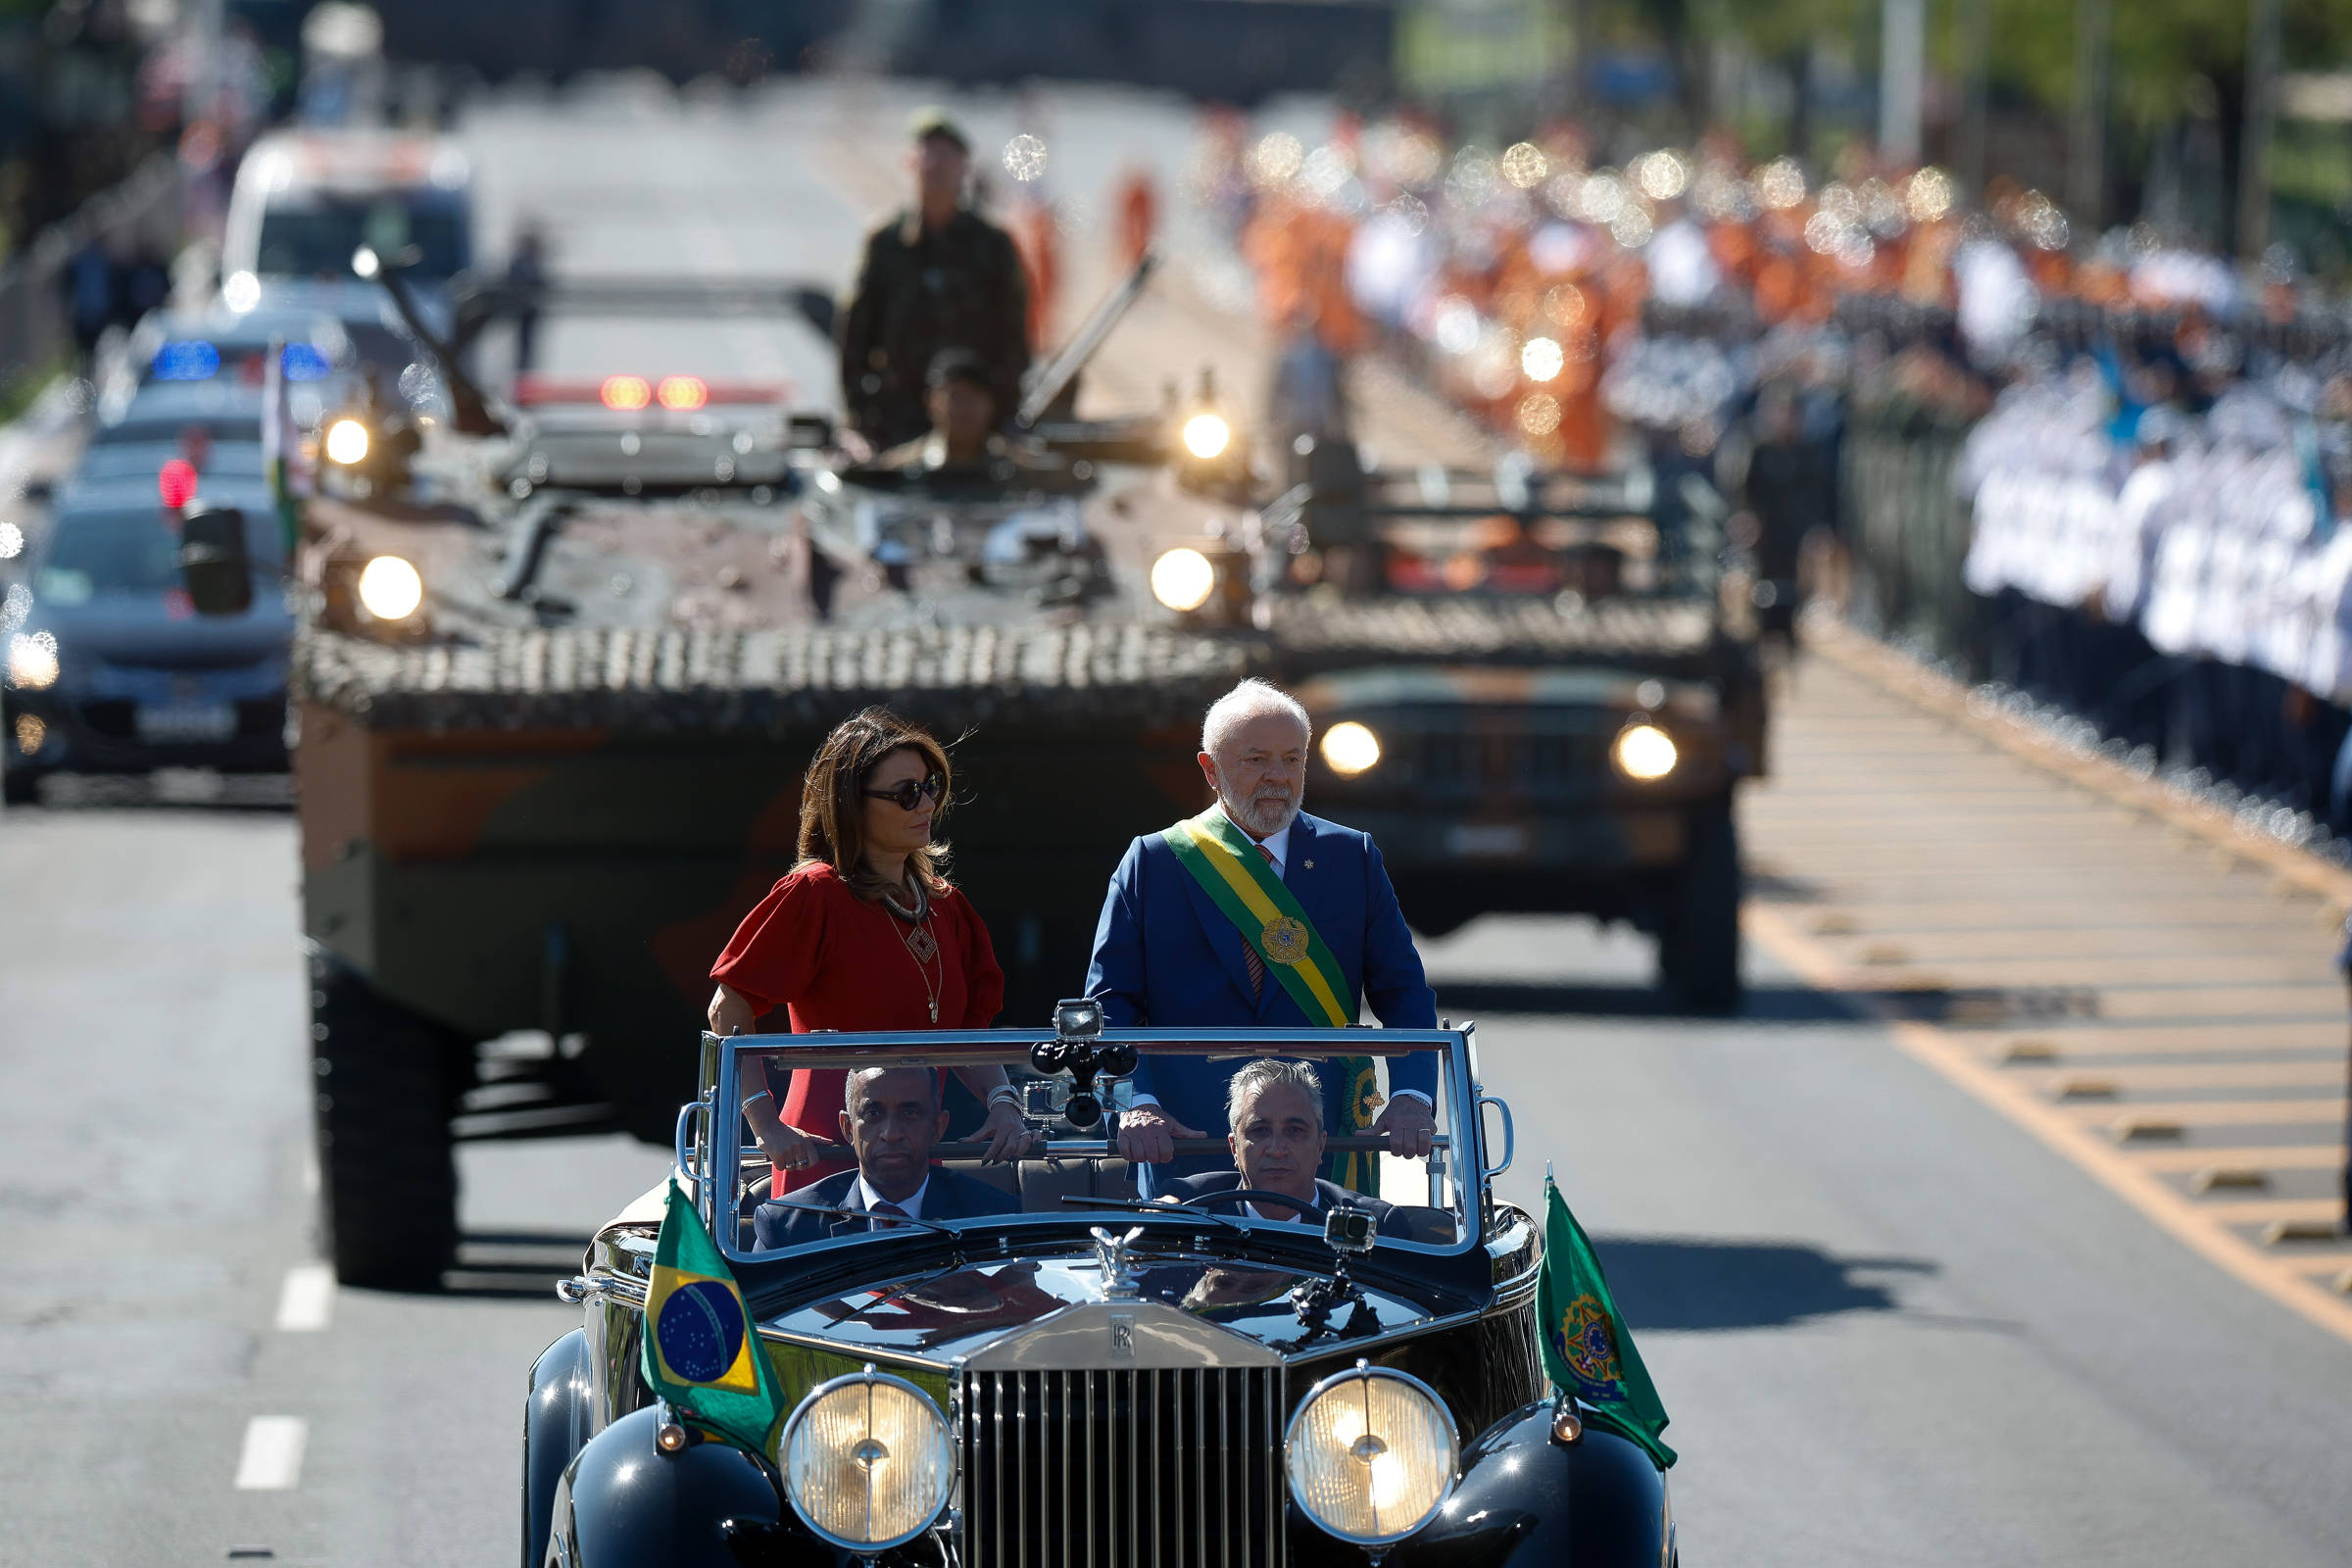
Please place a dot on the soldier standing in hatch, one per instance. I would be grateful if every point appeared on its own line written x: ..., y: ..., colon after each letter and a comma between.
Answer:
x: 937, y: 276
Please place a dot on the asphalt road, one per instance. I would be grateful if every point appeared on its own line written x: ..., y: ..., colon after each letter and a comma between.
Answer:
x: 1893, y: 1324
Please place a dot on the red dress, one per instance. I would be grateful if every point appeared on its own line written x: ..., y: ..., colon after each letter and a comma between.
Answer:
x: 836, y: 962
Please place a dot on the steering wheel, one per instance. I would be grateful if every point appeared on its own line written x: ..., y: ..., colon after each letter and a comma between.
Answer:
x: 1249, y: 1194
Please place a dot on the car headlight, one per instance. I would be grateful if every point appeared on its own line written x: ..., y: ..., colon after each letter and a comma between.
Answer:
x: 868, y: 1461
x: 1370, y: 1455
x: 1208, y: 435
x: 1643, y: 751
x: 347, y: 442
x: 1351, y: 748
x: 390, y: 589
x: 33, y: 660
x: 1183, y: 578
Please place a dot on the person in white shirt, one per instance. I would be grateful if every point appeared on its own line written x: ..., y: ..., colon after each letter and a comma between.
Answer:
x: 1274, y: 1111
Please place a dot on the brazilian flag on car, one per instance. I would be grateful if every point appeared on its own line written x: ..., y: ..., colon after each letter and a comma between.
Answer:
x: 701, y: 1352
x: 1587, y: 1350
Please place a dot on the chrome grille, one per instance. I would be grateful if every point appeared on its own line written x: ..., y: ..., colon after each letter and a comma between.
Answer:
x: 1174, y: 1468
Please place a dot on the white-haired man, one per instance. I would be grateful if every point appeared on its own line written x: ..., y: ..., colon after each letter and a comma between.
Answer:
x: 1256, y: 913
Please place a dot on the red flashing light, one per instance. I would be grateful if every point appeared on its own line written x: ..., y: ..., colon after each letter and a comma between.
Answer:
x: 679, y: 393
x: 176, y: 481
x: 626, y: 393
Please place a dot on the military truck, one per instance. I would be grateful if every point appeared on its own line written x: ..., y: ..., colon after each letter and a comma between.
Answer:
x: 1529, y: 687
x: 562, y: 666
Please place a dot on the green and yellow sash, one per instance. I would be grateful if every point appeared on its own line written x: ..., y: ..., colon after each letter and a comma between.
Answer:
x: 1237, y: 878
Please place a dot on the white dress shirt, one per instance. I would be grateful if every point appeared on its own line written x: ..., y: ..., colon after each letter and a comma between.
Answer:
x: 867, y: 1198
x: 1276, y: 845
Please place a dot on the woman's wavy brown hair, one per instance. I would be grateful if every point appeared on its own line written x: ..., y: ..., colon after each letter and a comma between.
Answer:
x: 833, y: 802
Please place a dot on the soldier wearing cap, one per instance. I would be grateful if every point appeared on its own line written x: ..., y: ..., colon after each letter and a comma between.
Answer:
x: 937, y: 276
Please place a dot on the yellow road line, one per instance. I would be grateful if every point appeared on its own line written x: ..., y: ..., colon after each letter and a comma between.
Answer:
x: 2186, y: 1221
x: 2314, y: 1113
x: 2263, y: 1210
x: 2082, y: 1040
x: 2257, y: 1156
x: 2197, y: 1075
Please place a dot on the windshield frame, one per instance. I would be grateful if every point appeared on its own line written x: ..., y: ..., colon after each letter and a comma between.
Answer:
x: 705, y: 1136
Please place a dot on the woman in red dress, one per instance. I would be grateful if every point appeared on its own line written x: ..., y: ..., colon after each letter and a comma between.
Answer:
x: 866, y: 933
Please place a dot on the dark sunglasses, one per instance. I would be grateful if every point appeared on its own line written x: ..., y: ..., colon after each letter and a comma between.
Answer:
x: 907, y: 792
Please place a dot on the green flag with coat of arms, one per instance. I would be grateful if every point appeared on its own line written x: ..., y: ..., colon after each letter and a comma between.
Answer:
x: 1587, y: 1350
x: 702, y: 1351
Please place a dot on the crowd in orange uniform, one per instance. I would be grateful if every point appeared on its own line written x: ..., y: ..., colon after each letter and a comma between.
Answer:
x: 1516, y: 280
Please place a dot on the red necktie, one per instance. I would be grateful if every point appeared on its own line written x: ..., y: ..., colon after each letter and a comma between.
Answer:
x: 1258, y: 966
x: 890, y: 1213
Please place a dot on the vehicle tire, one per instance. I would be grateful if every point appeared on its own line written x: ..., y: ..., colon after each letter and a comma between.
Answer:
x: 387, y: 1169
x: 1698, y: 941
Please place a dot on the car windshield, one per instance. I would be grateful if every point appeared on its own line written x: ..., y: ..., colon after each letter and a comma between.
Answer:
x: 124, y: 459
x: 1272, y: 1107
x: 133, y: 552
x: 218, y: 427
x: 317, y: 239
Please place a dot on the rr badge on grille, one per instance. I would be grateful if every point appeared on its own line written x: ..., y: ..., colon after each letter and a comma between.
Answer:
x: 1122, y: 1336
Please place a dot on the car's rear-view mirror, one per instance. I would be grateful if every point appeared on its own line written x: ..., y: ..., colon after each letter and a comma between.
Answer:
x: 213, y: 563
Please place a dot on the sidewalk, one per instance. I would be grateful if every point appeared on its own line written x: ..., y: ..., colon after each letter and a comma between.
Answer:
x: 2125, y: 974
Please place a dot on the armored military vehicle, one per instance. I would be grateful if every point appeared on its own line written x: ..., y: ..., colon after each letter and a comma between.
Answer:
x: 1526, y: 687
x: 558, y: 675
x: 562, y: 666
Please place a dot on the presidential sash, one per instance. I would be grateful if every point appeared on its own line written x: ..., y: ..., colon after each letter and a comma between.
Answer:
x: 1237, y: 878
x: 1227, y: 864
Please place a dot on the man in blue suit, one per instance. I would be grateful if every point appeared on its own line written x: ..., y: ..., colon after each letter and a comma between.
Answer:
x: 892, y: 1120
x: 1169, y: 953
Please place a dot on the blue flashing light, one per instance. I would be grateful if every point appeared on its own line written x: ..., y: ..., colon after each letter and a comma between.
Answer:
x: 303, y: 362
x: 192, y: 361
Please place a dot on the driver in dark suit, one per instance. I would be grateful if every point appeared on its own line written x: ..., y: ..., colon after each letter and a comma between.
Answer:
x: 892, y: 1120
x: 1274, y: 1109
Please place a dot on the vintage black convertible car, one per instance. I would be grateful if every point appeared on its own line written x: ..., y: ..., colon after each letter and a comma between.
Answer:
x: 1085, y: 1378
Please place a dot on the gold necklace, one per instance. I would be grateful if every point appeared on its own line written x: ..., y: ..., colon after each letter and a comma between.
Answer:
x: 920, y: 944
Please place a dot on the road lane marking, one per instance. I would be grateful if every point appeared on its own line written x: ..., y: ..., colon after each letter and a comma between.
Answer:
x: 306, y: 1302
x: 2138, y: 1077
x: 270, y: 1459
x: 2187, y: 1221
x: 2212, y: 1112
x: 2260, y: 1156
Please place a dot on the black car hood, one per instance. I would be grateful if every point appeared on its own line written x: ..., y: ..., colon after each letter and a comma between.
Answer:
x: 951, y: 1315
x: 144, y: 633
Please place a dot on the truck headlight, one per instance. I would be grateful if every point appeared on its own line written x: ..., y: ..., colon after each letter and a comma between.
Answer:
x: 1351, y: 748
x: 347, y: 442
x: 1208, y: 435
x: 1643, y: 751
x: 390, y: 589
x: 1370, y: 1455
x: 33, y: 660
x: 1183, y: 578
x: 868, y: 1461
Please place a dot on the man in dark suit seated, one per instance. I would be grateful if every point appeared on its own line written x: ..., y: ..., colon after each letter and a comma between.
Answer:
x: 893, y: 1122
x: 1275, y: 1111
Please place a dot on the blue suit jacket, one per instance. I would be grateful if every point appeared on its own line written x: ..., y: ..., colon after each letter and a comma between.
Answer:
x: 1168, y: 957
x: 950, y: 1194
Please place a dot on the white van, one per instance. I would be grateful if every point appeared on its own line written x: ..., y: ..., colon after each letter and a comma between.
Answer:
x: 306, y: 200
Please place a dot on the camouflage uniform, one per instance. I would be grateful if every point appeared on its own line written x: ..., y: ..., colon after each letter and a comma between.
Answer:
x: 919, y: 292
